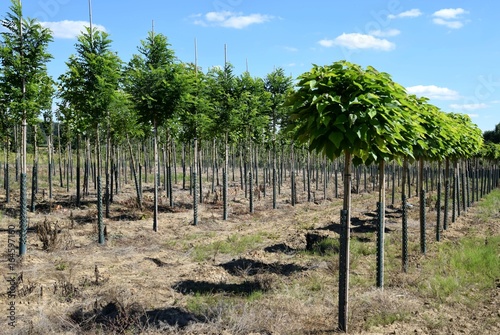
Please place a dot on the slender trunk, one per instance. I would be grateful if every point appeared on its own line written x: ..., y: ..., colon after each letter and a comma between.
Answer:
x: 60, y: 154
x: 100, y: 219
x: 107, y: 168
x: 446, y: 192
x: 78, y: 163
x: 381, y: 226
x: 34, y: 178
x: 155, y: 179
x: 438, y: 204
x: 194, y: 186
x: 343, y: 312
x: 50, y: 164
x: 224, y: 179
x: 404, y: 207
x: 422, y: 206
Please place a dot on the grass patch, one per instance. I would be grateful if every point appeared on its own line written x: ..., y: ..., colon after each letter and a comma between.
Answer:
x: 325, y: 247
x: 385, y: 318
x: 489, y: 207
x: 463, y: 269
x: 233, y: 245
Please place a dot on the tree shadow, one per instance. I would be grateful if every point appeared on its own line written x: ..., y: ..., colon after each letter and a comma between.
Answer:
x: 117, y: 318
x: 358, y: 225
x: 281, y: 247
x: 249, y: 267
x: 203, y: 287
x: 172, y: 316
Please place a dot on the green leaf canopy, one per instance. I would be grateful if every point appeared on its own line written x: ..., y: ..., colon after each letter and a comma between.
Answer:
x: 345, y: 107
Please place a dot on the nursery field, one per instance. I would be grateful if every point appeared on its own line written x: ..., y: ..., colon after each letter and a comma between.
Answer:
x: 274, y: 271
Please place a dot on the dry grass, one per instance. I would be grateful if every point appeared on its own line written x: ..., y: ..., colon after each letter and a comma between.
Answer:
x: 250, y: 274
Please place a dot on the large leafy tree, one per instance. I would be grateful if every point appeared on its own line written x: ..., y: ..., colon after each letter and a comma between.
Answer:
x: 155, y: 84
x: 24, y: 59
x: 492, y: 135
x: 345, y: 109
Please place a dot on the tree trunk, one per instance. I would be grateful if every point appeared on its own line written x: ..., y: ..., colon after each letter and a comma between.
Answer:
x: 155, y: 179
x: 343, y: 313
x: 381, y: 226
x: 422, y: 192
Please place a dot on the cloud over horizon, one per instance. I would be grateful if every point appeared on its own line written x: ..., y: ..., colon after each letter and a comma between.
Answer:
x: 69, y: 29
x: 433, y: 92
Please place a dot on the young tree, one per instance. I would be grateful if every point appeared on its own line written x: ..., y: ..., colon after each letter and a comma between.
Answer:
x: 279, y: 86
x: 86, y: 91
x: 252, y: 119
x: 224, y: 101
x: 343, y: 108
x: 24, y: 58
x: 155, y: 86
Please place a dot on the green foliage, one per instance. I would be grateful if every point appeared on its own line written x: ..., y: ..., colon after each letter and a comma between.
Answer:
x: 491, y: 151
x: 252, y: 114
x: 223, y: 97
x: 88, y: 86
x: 123, y: 118
x: 492, y: 135
x: 468, y: 139
x: 345, y: 107
x: 154, y: 80
x: 279, y: 87
x: 194, y: 112
x: 435, y: 130
x: 24, y: 58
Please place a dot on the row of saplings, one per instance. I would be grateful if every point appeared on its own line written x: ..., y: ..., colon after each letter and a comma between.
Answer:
x: 345, y: 110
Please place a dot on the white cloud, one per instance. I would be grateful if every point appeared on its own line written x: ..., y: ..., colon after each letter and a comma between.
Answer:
x: 409, y: 13
x: 69, y: 29
x: 290, y: 49
x: 473, y: 115
x: 449, y: 24
x: 450, y: 13
x: 358, y: 41
x: 469, y: 107
x: 229, y: 19
x: 450, y: 17
x: 385, y: 33
x: 434, y: 92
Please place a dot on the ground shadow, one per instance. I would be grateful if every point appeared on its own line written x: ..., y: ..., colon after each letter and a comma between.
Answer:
x: 172, y: 316
x: 204, y: 287
x: 357, y: 226
x: 128, y: 217
x: 116, y: 318
x: 281, y: 247
x: 251, y: 267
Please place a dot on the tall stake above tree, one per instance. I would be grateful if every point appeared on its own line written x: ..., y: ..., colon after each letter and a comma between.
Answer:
x: 24, y: 59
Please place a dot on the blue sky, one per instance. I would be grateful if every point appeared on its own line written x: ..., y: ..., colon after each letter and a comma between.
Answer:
x: 446, y: 50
